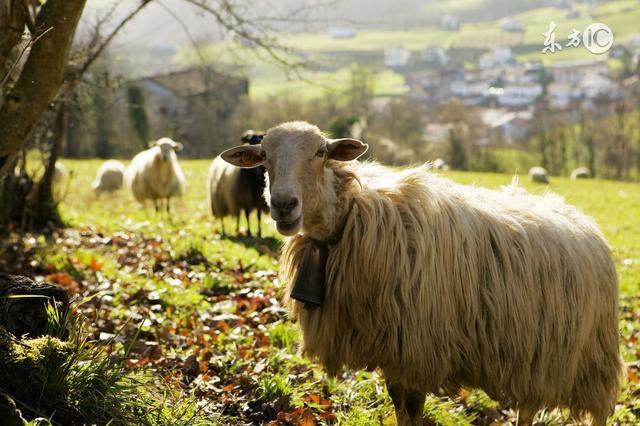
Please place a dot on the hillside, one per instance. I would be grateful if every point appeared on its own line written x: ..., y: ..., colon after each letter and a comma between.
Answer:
x: 332, y: 56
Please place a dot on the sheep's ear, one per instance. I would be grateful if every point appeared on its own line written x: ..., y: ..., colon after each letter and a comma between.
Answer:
x: 346, y: 149
x: 152, y: 144
x: 245, y: 156
x: 178, y: 146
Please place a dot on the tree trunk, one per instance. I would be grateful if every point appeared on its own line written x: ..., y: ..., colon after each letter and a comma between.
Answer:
x: 41, y: 76
x: 60, y: 127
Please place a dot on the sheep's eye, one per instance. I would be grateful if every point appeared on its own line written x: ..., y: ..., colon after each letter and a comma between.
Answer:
x: 321, y: 153
x: 263, y: 155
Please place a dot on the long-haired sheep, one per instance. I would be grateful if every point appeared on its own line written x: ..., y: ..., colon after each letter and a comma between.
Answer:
x: 441, y: 285
x: 59, y: 177
x: 154, y: 174
x: 580, y: 173
x: 539, y: 175
x: 109, y: 178
x: 59, y: 172
x: 232, y: 190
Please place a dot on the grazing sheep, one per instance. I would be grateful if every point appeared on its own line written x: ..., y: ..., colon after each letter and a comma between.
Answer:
x: 441, y: 285
x: 59, y: 171
x: 59, y: 174
x: 580, y: 173
x: 110, y: 177
x: 539, y: 175
x: 439, y: 164
x: 154, y: 174
x: 232, y: 190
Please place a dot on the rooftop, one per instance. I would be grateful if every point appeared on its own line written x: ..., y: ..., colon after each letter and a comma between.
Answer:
x: 194, y: 81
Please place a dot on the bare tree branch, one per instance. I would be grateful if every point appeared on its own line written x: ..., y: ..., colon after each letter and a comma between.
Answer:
x: 248, y: 31
x: 92, y: 56
x: 22, y: 52
x: 184, y: 27
x: 12, y: 25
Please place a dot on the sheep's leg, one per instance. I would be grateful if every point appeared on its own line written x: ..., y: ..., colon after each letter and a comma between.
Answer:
x: 525, y: 416
x: 408, y: 404
x: 238, y: 223
x: 414, y: 405
x: 259, y: 223
x: 246, y: 214
x: 222, y: 225
x: 396, y: 392
x: 155, y: 204
x: 169, y: 206
x: 599, y: 421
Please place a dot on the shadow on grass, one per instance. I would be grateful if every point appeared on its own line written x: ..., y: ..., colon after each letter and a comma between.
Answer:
x: 267, y: 245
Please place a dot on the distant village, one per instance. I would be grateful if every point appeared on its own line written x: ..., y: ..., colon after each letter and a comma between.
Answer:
x: 500, y: 89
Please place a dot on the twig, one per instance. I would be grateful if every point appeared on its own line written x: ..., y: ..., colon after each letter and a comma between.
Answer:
x: 236, y: 24
x: 96, y: 53
x: 22, y: 52
x: 186, y: 31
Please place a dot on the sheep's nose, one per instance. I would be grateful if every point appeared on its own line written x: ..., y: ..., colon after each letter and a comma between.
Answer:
x: 284, y: 204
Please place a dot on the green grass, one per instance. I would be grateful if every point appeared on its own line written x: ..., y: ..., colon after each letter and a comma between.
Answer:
x: 269, y: 79
x: 224, y: 310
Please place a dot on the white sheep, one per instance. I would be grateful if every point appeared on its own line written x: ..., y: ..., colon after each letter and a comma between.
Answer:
x: 154, y: 174
x: 439, y: 164
x: 580, y: 173
x: 58, y: 181
x: 109, y: 178
x: 539, y: 175
x: 441, y: 285
x: 59, y: 172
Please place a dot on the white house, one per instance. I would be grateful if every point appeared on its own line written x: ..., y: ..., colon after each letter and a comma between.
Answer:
x: 574, y: 71
x: 496, y: 56
x: 449, y: 23
x: 396, y: 57
x: 466, y: 89
x: 519, y: 95
x: 594, y: 85
x: 341, y: 32
x: 561, y: 94
x: 435, y: 55
x: 512, y: 25
x: 634, y: 41
x: 508, y: 124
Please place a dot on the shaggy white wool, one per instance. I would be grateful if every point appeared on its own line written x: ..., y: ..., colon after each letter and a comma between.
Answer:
x: 110, y: 177
x: 444, y: 285
x: 150, y: 178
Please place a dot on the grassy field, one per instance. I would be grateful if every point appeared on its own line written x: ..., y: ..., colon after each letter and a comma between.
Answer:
x: 200, y: 312
x: 621, y: 15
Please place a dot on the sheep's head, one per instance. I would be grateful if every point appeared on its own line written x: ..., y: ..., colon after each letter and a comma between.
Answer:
x: 166, y: 147
x: 252, y: 137
x: 295, y: 155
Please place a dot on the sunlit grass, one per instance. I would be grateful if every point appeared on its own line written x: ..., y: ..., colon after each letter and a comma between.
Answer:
x: 358, y: 398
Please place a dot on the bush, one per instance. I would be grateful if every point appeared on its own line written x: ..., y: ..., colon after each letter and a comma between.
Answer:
x: 79, y: 382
